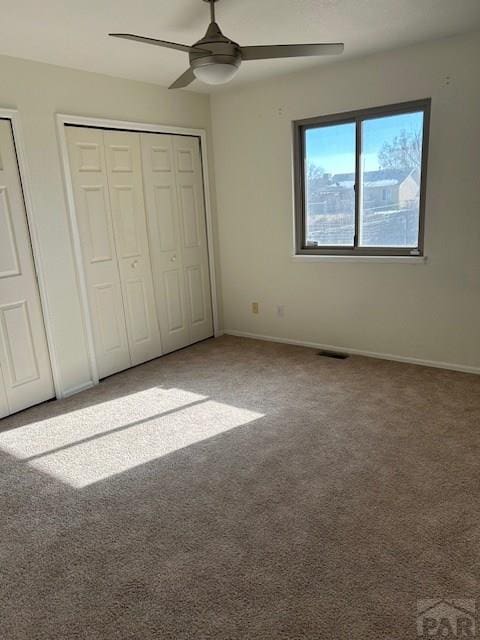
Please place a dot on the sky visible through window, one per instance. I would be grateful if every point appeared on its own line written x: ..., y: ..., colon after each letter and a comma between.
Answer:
x: 331, y: 147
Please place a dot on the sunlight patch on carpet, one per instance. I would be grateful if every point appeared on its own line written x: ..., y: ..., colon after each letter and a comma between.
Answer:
x: 103, y: 440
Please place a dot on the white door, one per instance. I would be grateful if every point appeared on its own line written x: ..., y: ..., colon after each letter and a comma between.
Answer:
x: 25, y: 373
x: 178, y: 240
x: 193, y: 227
x: 108, y: 190
x: 124, y: 170
x: 165, y: 239
x: 92, y: 202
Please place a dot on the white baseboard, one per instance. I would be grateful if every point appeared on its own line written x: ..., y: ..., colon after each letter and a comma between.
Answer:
x: 358, y: 352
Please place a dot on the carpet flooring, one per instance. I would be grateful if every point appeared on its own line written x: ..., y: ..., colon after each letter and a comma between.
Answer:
x: 241, y: 490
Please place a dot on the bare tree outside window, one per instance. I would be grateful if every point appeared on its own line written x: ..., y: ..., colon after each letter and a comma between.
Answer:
x: 403, y: 152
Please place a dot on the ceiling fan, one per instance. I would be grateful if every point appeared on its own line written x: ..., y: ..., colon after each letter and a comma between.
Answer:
x: 215, y: 59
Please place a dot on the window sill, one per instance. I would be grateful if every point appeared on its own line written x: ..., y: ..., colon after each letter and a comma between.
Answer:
x: 333, y: 258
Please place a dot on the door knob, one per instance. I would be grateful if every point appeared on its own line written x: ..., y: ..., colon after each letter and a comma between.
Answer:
x: 173, y: 258
x: 134, y: 264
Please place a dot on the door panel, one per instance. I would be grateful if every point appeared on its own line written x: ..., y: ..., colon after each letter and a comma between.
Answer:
x: 124, y: 169
x: 8, y: 249
x: 109, y: 315
x: 164, y: 236
x: 165, y: 209
x: 25, y: 373
x: 188, y: 207
x: 193, y: 234
x: 173, y: 300
x: 195, y: 292
x: 121, y: 158
x: 138, y: 311
x: 88, y: 155
x: 185, y: 159
x: 92, y: 200
x: 17, y: 338
x: 98, y: 224
x: 161, y: 156
x: 125, y: 220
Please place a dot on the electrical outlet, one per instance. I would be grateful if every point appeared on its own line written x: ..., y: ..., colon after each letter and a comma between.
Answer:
x: 281, y: 310
x: 254, y: 307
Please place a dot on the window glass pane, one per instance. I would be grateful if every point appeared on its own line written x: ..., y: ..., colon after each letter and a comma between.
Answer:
x: 391, y: 175
x: 329, y: 185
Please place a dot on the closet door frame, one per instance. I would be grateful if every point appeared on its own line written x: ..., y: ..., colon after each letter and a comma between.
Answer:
x: 62, y: 121
x: 13, y: 116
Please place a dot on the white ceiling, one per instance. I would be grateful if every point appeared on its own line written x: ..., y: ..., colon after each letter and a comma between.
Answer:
x: 73, y: 33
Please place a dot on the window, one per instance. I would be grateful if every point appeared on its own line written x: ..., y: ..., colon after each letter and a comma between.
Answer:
x: 360, y: 181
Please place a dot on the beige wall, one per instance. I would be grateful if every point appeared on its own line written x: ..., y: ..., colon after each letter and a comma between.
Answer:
x: 40, y: 91
x: 430, y: 311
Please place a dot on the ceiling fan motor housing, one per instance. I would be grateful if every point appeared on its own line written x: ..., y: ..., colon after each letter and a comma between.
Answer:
x: 221, y: 50
x: 215, y: 59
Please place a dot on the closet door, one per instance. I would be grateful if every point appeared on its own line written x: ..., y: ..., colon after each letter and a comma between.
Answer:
x: 124, y: 170
x: 178, y: 239
x: 25, y: 373
x: 188, y: 167
x: 165, y: 239
x: 92, y: 203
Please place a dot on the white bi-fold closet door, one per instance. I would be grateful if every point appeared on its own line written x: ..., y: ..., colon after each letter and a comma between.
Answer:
x: 174, y: 197
x: 107, y: 180
x: 127, y: 227
x: 25, y: 372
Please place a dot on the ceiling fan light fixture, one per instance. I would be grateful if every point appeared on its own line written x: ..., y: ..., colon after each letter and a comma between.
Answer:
x: 215, y: 59
x: 215, y: 72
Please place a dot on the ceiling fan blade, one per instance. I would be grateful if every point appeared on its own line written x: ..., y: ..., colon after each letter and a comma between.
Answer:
x: 290, y: 51
x: 184, y: 80
x: 158, y: 43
